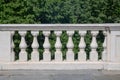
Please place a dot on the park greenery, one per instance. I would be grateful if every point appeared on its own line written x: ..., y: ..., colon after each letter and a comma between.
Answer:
x: 59, y: 11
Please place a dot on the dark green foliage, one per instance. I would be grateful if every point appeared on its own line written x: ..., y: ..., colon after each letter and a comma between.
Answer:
x: 100, y: 40
x: 52, y: 39
x: 64, y: 40
x: 59, y: 11
x: 20, y: 11
x: 113, y: 11
x: 76, y: 40
x: 88, y: 39
x: 41, y: 39
x: 16, y: 40
x: 29, y: 40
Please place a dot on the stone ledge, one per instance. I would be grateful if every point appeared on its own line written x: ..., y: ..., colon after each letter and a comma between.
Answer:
x: 112, y: 66
x: 11, y: 27
x: 52, y: 66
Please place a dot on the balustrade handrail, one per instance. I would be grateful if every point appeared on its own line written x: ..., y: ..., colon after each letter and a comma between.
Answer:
x: 12, y: 27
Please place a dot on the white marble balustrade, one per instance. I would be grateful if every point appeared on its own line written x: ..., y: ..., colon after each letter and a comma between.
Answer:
x: 58, y: 46
x: 35, y: 45
x: 23, y: 46
x: 110, y: 56
x: 46, y: 45
x: 82, y: 45
x: 94, y: 45
x: 70, y: 45
x: 82, y: 56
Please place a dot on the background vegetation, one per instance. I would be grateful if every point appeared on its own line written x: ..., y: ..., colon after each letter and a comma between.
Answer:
x: 59, y: 11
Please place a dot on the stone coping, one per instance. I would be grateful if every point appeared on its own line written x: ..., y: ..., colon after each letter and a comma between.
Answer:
x: 107, y: 26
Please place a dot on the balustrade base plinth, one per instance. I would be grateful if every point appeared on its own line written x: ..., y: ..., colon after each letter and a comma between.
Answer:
x: 52, y: 65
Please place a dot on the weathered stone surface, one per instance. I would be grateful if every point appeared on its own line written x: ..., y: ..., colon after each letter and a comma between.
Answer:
x: 59, y: 75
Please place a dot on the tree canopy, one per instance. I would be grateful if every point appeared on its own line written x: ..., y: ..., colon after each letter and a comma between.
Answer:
x: 59, y: 11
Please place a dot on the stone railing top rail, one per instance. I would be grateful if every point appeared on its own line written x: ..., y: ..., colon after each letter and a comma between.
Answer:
x: 10, y: 27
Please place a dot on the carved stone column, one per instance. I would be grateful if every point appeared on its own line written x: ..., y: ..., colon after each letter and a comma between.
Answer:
x: 70, y: 45
x: 82, y: 45
x: 23, y: 46
x: 46, y: 45
x: 35, y: 45
x: 93, y: 53
x: 58, y: 46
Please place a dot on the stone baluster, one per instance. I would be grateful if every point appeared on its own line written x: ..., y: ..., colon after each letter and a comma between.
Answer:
x: 82, y: 45
x: 46, y: 45
x: 104, y: 53
x: 12, y: 47
x: 58, y: 46
x: 70, y: 45
x: 93, y: 53
x: 23, y: 46
x: 35, y: 45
